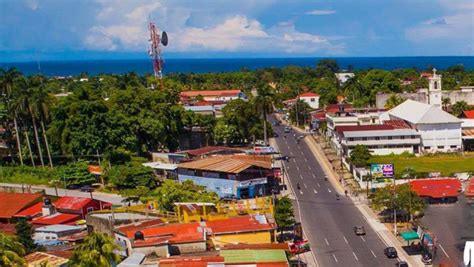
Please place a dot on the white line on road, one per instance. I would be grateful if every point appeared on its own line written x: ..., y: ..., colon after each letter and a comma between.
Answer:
x: 444, y: 251
x: 345, y: 239
x: 305, y: 186
x: 314, y: 190
x: 329, y: 190
x: 362, y: 238
x: 334, y: 256
x: 327, y: 242
x: 305, y: 159
x: 309, y: 167
x: 301, y: 192
x: 373, y: 253
x: 302, y: 153
x: 355, y: 256
x: 291, y: 153
x: 314, y: 176
x: 301, y: 177
x: 294, y: 160
x: 318, y: 185
x: 298, y: 168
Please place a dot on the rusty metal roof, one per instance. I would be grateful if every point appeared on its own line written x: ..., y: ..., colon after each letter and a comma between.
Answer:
x: 229, y: 164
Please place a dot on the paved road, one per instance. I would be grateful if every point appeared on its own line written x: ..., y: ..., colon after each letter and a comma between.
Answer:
x: 328, y: 222
x: 452, y: 231
x: 112, y: 198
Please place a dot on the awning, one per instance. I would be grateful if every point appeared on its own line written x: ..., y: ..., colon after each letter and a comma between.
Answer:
x: 410, y: 235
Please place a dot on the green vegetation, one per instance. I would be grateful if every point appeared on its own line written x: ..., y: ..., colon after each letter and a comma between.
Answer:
x: 284, y: 215
x: 24, y: 232
x: 11, y: 251
x: 401, y: 198
x: 359, y: 156
x: 98, y: 249
x: 447, y: 164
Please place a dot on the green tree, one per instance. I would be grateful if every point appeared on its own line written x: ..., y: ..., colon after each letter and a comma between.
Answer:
x: 376, y: 81
x: 77, y: 174
x: 299, y: 112
x: 284, y: 214
x: 263, y: 103
x: 98, y: 249
x: 393, y: 101
x: 24, y: 232
x: 400, y: 197
x: 225, y: 133
x: 459, y: 107
x: 11, y: 252
x: 326, y: 68
x: 170, y: 192
x: 359, y: 156
x: 446, y: 101
x: 131, y: 175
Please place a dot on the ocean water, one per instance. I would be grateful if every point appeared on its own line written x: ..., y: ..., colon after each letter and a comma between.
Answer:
x: 205, y: 65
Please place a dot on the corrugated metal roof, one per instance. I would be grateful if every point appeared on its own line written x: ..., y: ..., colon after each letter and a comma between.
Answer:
x: 420, y: 113
x: 436, y: 188
x: 209, y: 93
x: 57, y: 228
x: 394, y: 132
x: 57, y: 218
x: 12, y: 203
x: 229, y: 164
x: 199, y: 108
x: 253, y: 256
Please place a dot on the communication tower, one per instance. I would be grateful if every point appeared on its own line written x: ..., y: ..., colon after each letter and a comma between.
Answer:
x: 156, y: 40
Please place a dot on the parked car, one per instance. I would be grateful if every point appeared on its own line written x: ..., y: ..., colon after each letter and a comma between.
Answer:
x: 359, y: 230
x: 287, y: 129
x: 401, y: 264
x: 390, y: 252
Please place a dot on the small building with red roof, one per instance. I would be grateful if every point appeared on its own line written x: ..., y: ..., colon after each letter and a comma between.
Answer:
x: 80, y: 205
x: 469, y: 192
x: 211, y: 96
x: 437, y: 190
x: 13, y: 203
x: 310, y: 98
x: 467, y: 125
x: 192, y: 261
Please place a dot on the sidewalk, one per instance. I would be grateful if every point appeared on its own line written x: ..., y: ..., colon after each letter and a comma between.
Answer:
x: 361, y: 204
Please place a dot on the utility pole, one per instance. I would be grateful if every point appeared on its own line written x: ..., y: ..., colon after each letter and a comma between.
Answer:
x: 296, y: 111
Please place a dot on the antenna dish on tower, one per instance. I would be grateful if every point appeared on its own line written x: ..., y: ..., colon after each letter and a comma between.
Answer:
x: 164, y: 38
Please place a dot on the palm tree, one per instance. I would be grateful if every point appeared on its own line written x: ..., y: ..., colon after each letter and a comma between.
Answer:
x: 8, y: 79
x: 393, y: 101
x: 446, y: 101
x: 97, y: 250
x: 11, y: 251
x: 459, y: 107
x: 263, y: 103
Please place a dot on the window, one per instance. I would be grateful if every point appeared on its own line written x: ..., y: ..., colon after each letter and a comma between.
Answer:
x: 47, y: 238
x: 427, y: 147
x: 364, y: 138
x: 413, y: 137
x: 435, y: 85
x: 90, y: 209
x: 351, y: 138
x: 454, y: 146
x: 312, y: 100
x: 377, y: 138
x: 390, y: 138
x: 440, y: 147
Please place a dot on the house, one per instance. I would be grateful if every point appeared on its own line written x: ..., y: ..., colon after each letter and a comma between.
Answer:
x: 211, y: 96
x: 50, y: 235
x: 203, y: 110
x: 243, y: 176
x: 467, y: 126
x: 13, y: 203
x: 66, y: 210
x: 343, y: 77
x: 338, y: 115
x: 249, y: 229
x: 164, y: 241
x: 437, y: 190
x: 439, y: 130
x: 312, y: 99
x: 49, y: 258
x: 382, y: 139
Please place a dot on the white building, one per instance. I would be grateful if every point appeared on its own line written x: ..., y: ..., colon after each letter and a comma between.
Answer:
x: 352, y: 118
x: 434, y: 90
x: 312, y: 99
x: 343, y: 77
x: 439, y: 130
x: 467, y: 125
x: 55, y: 231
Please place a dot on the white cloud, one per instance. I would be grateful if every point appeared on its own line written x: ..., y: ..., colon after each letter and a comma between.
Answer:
x: 32, y: 4
x: 319, y: 12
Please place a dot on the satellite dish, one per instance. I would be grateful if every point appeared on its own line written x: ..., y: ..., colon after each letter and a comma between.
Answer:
x: 164, y: 38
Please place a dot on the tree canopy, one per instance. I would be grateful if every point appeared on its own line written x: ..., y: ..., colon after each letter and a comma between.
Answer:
x: 97, y: 249
x: 359, y: 156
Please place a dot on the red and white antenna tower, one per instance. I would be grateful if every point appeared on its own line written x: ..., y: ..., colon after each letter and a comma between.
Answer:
x: 155, y: 50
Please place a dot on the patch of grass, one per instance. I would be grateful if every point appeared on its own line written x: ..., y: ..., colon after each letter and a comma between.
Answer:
x: 447, y: 164
x: 26, y: 174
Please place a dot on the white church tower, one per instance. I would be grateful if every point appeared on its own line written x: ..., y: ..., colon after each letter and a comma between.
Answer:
x: 435, y: 90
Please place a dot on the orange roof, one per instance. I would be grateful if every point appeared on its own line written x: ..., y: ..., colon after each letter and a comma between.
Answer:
x: 95, y: 169
x: 229, y: 163
x: 436, y: 188
x: 469, y: 114
x: 31, y: 212
x: 278, y: 246
x: 426, y: 74
x: 173, y: 233
x: 309, y: 94
x: 140, y: 226
x: 12, y: 203
x: 470, y: 188
x: 191, y: 261
x: 57, y: 218
x: 239, y: 224
x: 210, y: 93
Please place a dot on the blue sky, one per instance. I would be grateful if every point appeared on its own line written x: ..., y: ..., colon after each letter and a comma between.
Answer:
x: 115, y: 29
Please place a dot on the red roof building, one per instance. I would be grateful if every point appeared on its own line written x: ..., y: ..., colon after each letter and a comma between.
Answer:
x: 239, y: 224
x: 334, y: 108
x: 308, y: 94
x: 211, y: 96
x: 57, y: 218
x: 13, y: 203
x: 467, y: 114
x: 212, y: 150
x: 436, y: 188
x: 80, y: 205
x: 31, y: 212
x: 397, y: 124
x: 192, y: 261
x: 426, y: 74
x: 470, y: 188
x: 372, y: 127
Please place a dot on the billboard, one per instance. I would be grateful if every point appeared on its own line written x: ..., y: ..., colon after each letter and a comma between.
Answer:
x: 382, y: 170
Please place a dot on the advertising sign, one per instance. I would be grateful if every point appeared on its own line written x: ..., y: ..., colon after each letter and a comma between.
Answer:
x: 264, y: 150
x: 382, y: 170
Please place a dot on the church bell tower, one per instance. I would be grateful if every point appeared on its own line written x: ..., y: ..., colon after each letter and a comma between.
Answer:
x: 434, y: 90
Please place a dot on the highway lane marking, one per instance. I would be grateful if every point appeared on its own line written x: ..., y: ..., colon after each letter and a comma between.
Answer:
x: 305, y: 159
x: 444, y: 251
x: 309, y: 167
x: 305, y: 186
x: 373, y: 253
x: 362, y: 238
x: 298, y: 168
x: 302, y: 153
x: 301, y: 176
x: 327, y: 242
x: 294, y: 160
x: 314, y: 190
x: 355, y: 256
x: 314, y: 176
x: 345, y: 239
x: 334, y: 256
x: 329, y: 190
x: 301, y: 192
x: 318, y: 185
x: 291, y: 153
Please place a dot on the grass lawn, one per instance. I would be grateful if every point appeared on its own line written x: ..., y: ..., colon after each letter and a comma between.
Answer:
x: 444, y: 163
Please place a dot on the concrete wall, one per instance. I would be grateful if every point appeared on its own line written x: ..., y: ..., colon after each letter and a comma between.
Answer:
x: 388, y: 151
x: 99, y: 225
x: 446, y: 135
x: 264, y: 237
x: 172, y: 249
x: 455, y: 96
